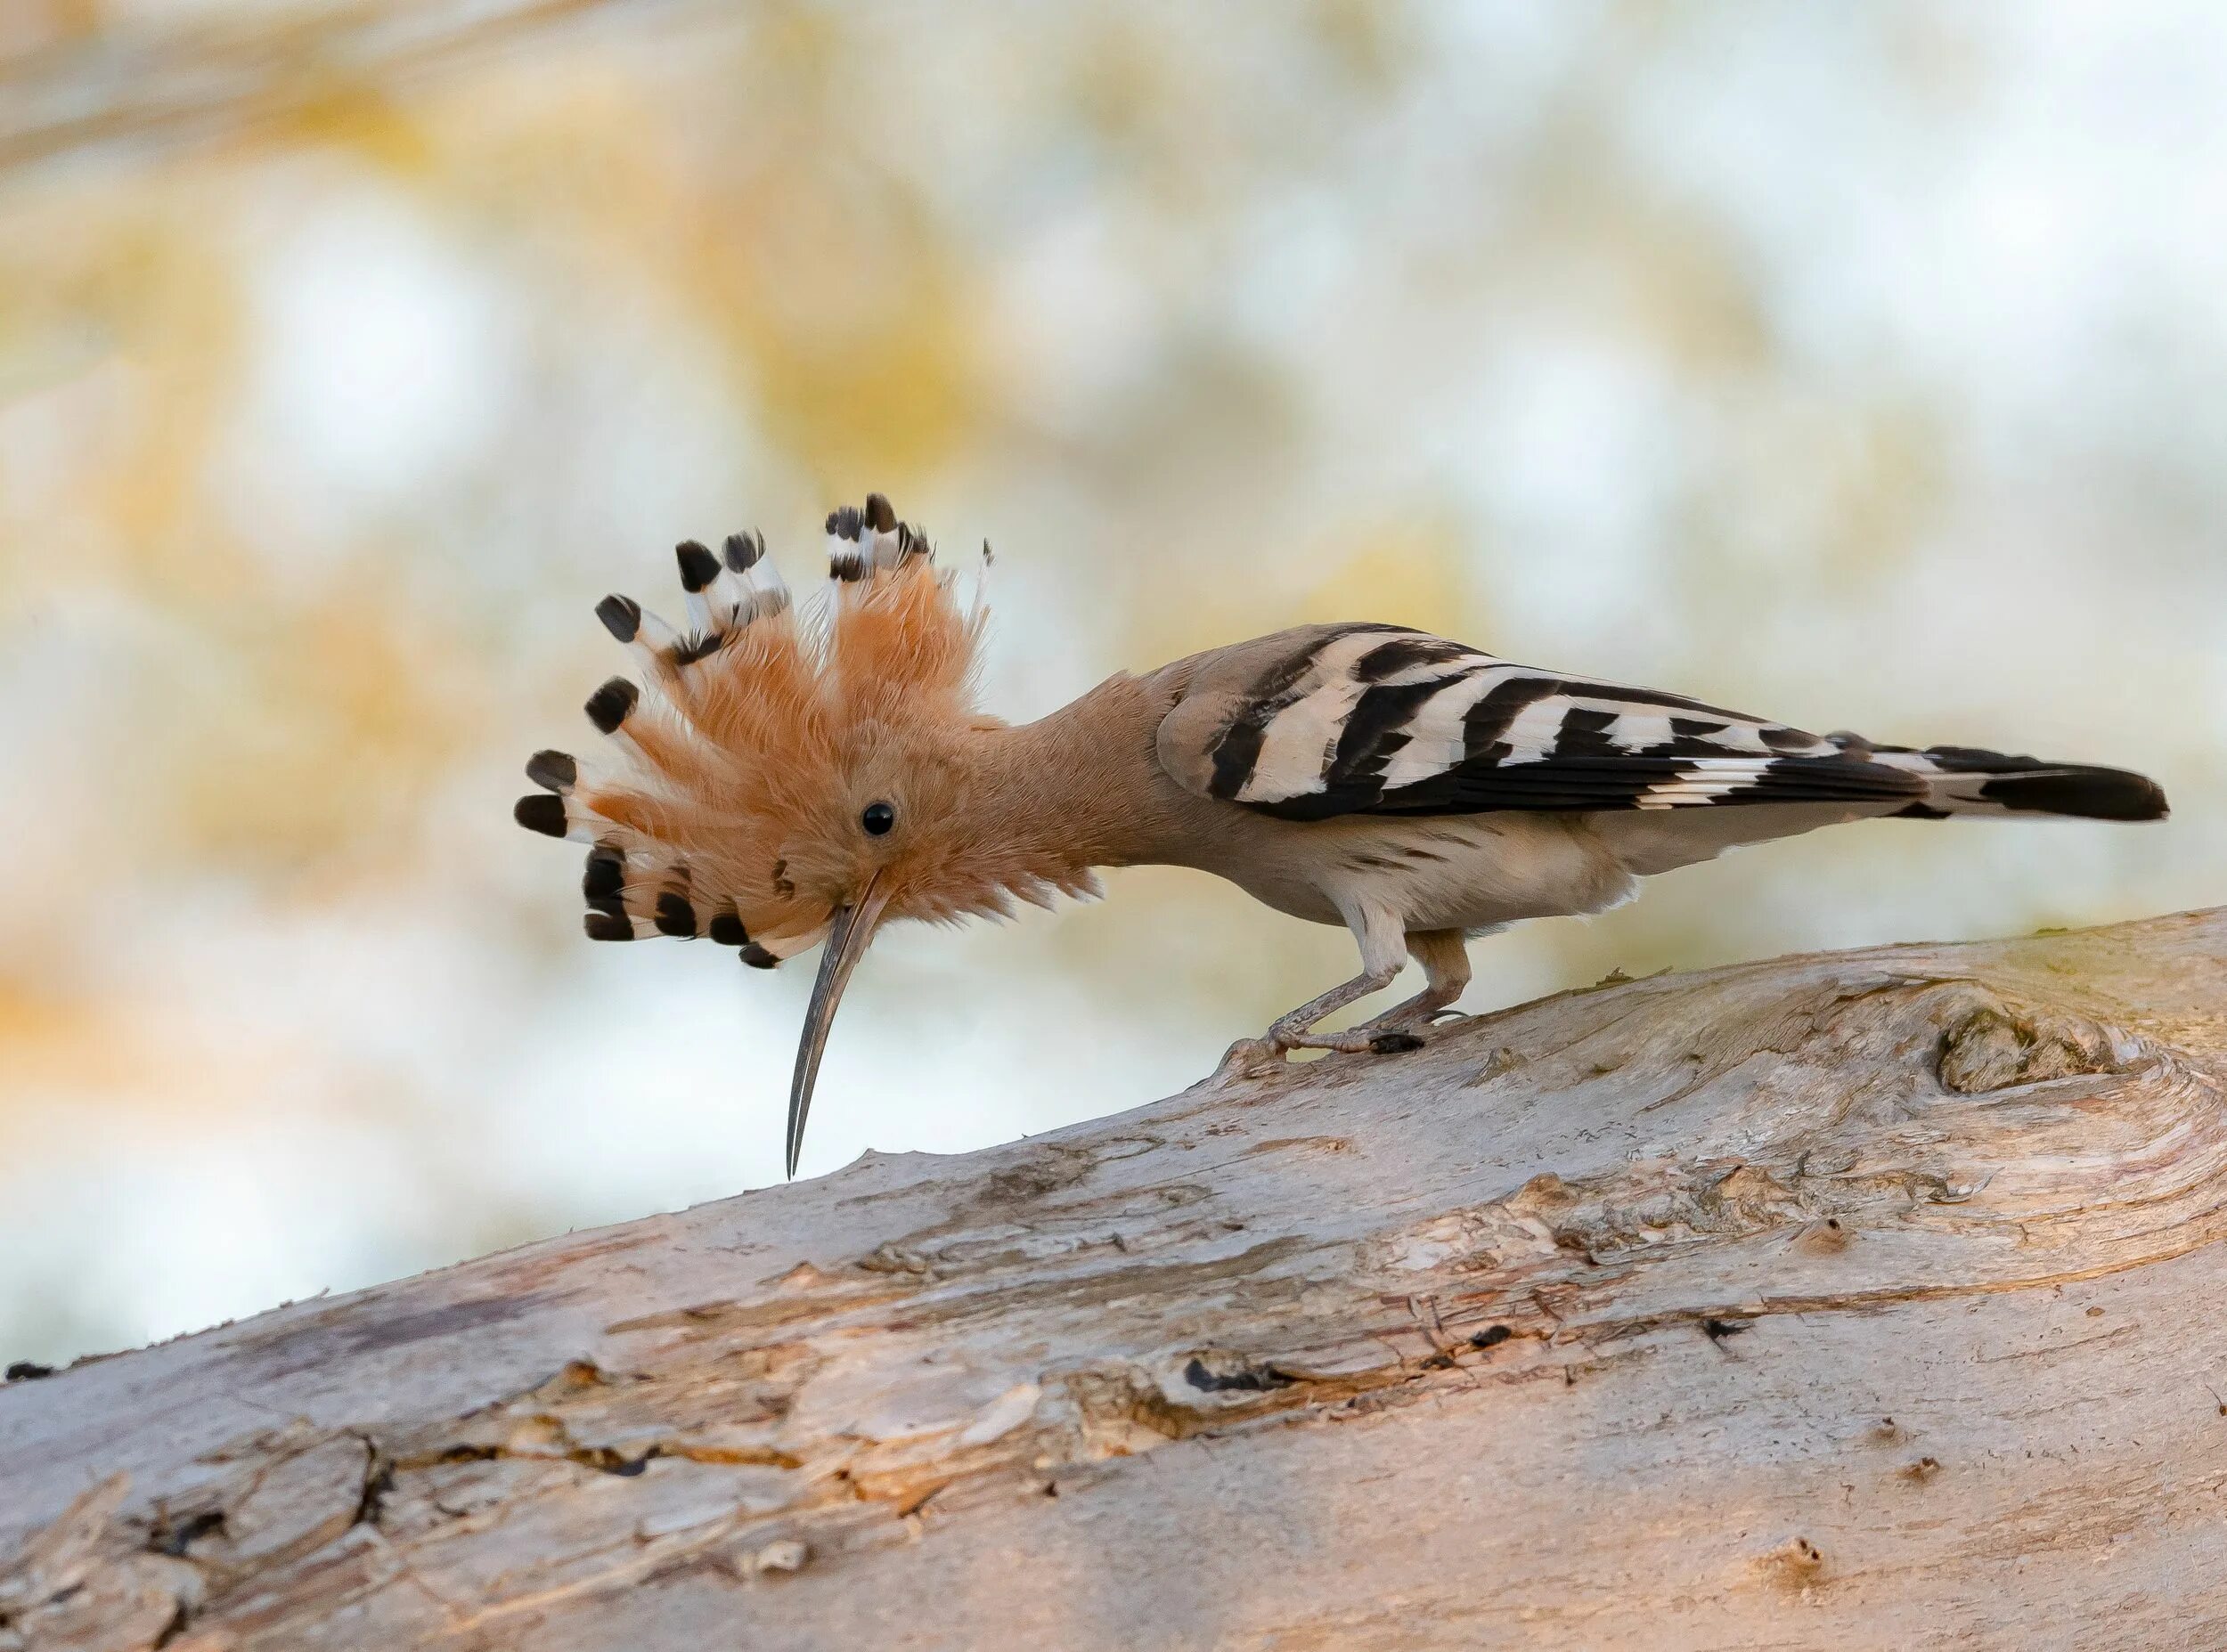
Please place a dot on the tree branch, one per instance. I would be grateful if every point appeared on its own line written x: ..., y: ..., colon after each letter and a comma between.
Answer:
x: 1863, y: 1298
x: 203, y: 80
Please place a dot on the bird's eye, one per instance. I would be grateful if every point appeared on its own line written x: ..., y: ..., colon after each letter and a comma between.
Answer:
x: 879, y: 819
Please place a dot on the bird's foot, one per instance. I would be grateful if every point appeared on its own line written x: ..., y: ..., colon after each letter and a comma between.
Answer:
x: 1362, y: 1041
x: 1389, y: 1034
x: 1254, y: 1058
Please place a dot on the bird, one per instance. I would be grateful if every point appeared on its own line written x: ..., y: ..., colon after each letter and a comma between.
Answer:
x: 781, y: 778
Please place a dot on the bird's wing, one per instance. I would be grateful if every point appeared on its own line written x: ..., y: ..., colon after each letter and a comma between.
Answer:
x: 1341, y: 720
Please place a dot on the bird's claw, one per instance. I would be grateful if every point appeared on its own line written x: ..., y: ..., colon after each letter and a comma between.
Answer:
x: 1255, y: 1058
x: 1394, y: 1043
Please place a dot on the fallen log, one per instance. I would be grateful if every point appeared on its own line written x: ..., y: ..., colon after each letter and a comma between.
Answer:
x: 1867, y: 1298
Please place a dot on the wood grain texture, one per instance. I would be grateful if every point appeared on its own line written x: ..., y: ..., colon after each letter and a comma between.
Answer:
x: 1868, y: 1299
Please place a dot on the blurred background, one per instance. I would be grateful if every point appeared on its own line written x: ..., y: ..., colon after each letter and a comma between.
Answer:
x: 1859, y: 366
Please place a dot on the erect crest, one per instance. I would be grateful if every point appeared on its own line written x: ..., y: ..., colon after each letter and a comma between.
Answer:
x: 732, y: 765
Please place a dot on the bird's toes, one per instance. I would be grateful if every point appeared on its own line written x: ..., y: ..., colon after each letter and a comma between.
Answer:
x: 1393, y: 1043
x: 1353, y: 1041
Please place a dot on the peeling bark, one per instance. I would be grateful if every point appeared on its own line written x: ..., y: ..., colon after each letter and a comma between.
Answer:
x: 1867, y: 1299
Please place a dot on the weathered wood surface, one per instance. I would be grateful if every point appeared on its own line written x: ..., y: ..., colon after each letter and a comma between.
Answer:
x: 1870, y: 1299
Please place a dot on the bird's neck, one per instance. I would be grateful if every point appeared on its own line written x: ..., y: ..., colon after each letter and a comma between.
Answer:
x: 1081, y: 788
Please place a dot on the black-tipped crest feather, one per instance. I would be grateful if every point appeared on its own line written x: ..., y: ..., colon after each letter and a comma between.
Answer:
x: 621, y: 616
x: 609, y: 706
x: 555, y: 771
x: 538, y: 811
x: 699, y: 566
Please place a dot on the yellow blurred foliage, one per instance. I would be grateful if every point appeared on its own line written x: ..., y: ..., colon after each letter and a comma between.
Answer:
x: 348, y: 353
x: 318, y: 738
x: 1400, y: 574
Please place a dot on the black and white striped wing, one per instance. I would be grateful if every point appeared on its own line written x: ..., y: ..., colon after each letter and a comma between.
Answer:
x: 1379, y: 719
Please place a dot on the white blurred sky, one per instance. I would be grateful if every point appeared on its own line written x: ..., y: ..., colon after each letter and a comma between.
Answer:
x: 1858, y: 366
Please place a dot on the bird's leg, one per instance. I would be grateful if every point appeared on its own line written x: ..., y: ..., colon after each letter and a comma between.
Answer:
x: 1444, y: 955
x: 1382, y: 944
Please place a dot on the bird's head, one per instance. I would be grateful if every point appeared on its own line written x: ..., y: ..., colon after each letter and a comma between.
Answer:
x: 778, y: 779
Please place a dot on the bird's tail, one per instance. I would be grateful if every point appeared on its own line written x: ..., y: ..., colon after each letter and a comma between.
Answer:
x: 1963, y: 780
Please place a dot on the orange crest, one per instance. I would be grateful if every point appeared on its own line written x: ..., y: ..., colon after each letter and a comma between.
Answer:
x: 773, y: 763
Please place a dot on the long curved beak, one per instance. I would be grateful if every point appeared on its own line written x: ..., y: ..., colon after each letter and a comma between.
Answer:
x: 853, y: 927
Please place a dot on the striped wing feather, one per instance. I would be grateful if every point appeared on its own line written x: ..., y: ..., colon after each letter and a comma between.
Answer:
x: 1378, y: 719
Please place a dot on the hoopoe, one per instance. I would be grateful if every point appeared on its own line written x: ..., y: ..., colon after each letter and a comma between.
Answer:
x: 781, y: 780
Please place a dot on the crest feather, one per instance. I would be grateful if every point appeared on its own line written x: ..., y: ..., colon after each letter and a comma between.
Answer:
x: 734, y: 743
